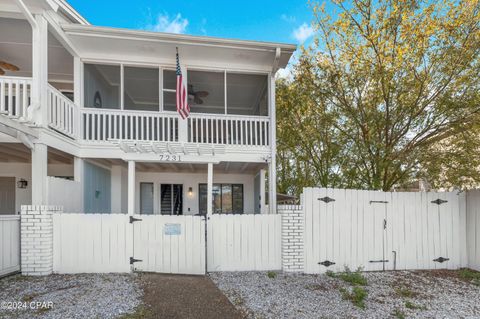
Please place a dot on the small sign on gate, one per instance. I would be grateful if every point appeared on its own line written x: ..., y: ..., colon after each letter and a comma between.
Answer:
x: 172, y: 229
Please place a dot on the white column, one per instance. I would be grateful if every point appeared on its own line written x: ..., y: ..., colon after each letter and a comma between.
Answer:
x: 131, y: 188
x: 209, y: 189
x: 40, y: 70
x: 39, y: 174
x: 78, y: 171
x: 262, y: 192
x: 272, y: 172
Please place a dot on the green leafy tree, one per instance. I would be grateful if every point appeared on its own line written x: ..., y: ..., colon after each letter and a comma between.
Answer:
x: 388, y: 93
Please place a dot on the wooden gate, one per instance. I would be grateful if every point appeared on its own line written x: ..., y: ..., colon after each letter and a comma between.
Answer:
x: 9, y: 244
x: 383, y: 230
x: 169, y: 244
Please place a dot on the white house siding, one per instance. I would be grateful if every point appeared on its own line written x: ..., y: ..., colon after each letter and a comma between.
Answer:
x: 23, y: 196
x: 188, y: 180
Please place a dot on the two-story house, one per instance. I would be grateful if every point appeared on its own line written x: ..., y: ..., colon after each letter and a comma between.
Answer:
x: 97, y: 106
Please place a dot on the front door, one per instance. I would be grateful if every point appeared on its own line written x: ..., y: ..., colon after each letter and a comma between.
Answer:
x: 7, y: 195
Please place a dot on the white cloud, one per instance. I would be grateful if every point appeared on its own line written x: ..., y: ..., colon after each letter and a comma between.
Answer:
x: 165, y: 23
x: 287, y: 18
x: 303, y: 32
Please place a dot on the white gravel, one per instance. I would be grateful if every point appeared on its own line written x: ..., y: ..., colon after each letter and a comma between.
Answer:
x: 438, y: 294
x: 73, y: 296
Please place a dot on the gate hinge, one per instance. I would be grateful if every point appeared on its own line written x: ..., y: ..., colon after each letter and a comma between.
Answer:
x: 378, y: 261
x: 379, y: 201
x: 326, y: 199
x: 441, y: 259
x: 384, y: 224
x: 133, y: 260
x: 439, y: 201
x: 133, y: 219
x: 326, y: 263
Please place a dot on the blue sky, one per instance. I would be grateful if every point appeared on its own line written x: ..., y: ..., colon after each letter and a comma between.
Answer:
x: 264, y: 20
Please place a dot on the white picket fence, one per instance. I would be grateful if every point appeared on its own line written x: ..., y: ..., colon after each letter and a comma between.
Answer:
x: 244, y: 242
x: 65, y: 193
x: 89, y: 243
x: 9, y: 244
x: 363, y: 228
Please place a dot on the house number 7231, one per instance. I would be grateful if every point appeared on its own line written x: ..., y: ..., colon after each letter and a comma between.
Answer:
x: 169, y: 157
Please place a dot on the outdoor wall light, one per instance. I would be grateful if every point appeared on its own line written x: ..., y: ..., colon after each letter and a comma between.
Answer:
x: 190, y: 191
x: 22, y: 183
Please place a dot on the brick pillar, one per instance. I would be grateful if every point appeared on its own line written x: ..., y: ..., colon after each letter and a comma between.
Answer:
x: 36, y: 239
x: 292, y: 238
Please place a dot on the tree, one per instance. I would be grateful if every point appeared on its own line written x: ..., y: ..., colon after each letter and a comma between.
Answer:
x: 388, y: 89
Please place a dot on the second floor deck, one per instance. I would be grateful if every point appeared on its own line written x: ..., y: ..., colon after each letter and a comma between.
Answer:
x: 103, y: 126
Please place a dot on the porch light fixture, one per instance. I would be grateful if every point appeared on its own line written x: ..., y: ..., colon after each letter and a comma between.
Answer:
x: 190, y: 191
x: 22, y: 183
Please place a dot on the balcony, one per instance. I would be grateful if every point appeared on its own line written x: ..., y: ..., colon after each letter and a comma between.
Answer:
x: 106, y: 126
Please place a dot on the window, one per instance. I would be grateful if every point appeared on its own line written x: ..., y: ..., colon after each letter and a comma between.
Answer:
x: 140, y: 89
x: 146, y: 198
x: 171, y: 199
x: 226, y: 198
x: 102, y: 86
x: 247, y: 94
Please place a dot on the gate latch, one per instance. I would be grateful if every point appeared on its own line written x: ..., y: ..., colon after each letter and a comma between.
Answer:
x: 133, y: 260
x: 133, y: 219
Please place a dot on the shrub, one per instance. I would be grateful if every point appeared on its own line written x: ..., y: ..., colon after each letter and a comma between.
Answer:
x: 405, y: 292
x: 356, y: 296
x: 271, y: 274
x: 470, y: 275
x: 354, y: 278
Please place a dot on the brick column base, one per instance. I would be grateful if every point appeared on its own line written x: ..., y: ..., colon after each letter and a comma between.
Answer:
x: 36, y: 239
x: 292, y: 238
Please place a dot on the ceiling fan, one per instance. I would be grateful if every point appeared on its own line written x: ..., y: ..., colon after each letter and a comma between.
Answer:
x: 7, y: 66
x: 196, y: 95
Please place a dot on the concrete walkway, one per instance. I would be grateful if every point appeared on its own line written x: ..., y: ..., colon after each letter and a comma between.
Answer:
x: 183, y: 296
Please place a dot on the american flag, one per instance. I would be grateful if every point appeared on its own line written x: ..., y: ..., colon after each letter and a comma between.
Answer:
x: 182, y: 95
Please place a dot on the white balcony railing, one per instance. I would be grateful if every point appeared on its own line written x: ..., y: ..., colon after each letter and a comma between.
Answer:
x: 15, y: 96
x: 61, y: 112
x: 228, y: 129
x: 101, y: 125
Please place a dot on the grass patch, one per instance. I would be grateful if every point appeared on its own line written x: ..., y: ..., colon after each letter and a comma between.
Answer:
x: 405, y: 292
x: 271, y: 274
x: 470, y: 275
x: 140, y: 312
x: 356, y: 296
x: 330, y: 274
x: 397, y: 313
x: 413, y: 306
x: 354, y: 278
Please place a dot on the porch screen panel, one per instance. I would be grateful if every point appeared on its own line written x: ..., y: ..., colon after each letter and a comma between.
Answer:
x: 141, y: 86
x: 247, y: 94
x: 102, y: 86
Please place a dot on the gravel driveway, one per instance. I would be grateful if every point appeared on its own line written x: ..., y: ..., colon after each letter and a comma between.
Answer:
x: 70, y: 296
x: 401, y: 294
